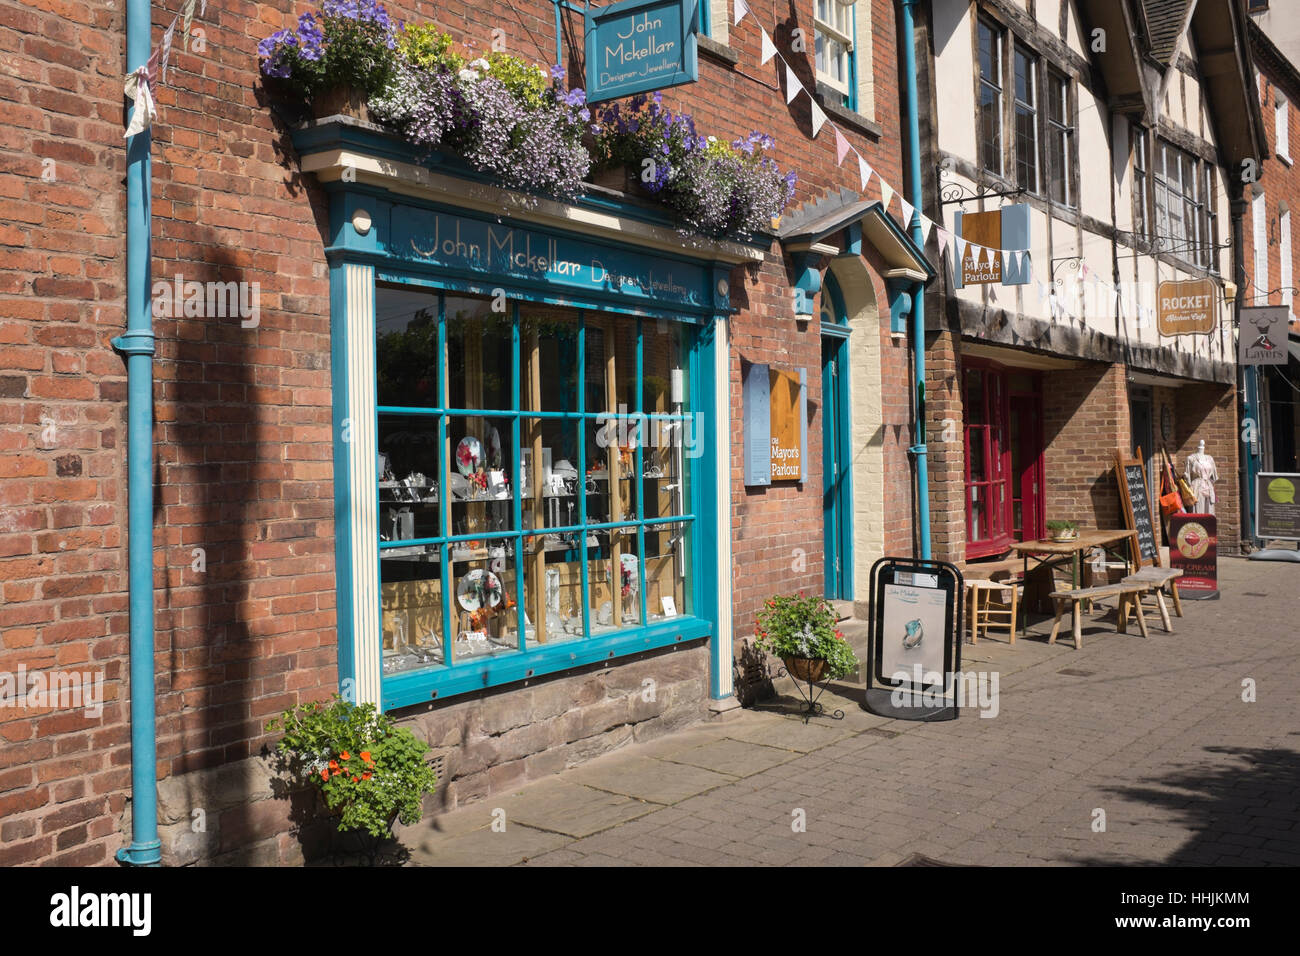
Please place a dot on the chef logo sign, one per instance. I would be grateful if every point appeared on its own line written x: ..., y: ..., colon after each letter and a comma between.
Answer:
x: 1262, y: 337
x: 640, y: 45
x: 1185, y: 308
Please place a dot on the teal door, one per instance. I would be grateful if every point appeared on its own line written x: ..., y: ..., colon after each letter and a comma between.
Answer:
x: 837, y: 490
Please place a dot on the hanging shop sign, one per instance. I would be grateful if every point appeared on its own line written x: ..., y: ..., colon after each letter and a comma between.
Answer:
x: 914, y: 650
x: 1277, y: 506
x: 640, y: 45
x: 500, y: 250
x: 1185, y: 308
x: 1262, y: 339
x: 1194, y: 548
x: 776, y: 424
x: 982, y: 266
x: 996, y: 241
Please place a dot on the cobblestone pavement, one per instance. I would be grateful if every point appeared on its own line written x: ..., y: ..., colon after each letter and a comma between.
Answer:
x: 1153, y: 733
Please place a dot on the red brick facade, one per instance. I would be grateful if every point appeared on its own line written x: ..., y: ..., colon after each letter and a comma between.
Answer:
x: 244, y: 564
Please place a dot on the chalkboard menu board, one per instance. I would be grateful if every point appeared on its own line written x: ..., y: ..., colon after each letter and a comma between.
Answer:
x: 1137, y: 505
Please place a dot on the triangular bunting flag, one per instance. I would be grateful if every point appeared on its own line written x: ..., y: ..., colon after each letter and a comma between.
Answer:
x: 792, y: 85
x: 1016, y: 256
x: 961, y: 248
x: 769, y: 49
x: 864, y: 170
x: 886, y: 194
x: 841, y: 147
x: 907, y: 212
x: 944, y: 237
x: 742, y: 8
x: 926, y: 223
x: 818, y: 118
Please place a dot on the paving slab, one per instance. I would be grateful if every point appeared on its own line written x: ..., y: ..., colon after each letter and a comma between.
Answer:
x: 734, y: 757
x: 485, y: 847
x: 791, y: 733
x: 648, y: 778
x: 560, y: 806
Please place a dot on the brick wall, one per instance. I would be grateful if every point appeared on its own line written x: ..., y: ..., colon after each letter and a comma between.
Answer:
x: 244, y: 574
x: 1085, y: 419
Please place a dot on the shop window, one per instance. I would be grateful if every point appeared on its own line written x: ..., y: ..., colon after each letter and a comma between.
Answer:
x: 536, y: 466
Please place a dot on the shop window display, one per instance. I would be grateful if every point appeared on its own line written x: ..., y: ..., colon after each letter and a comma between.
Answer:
x: 534, y: 475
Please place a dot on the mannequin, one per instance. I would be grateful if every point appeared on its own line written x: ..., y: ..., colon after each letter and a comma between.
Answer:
x: 1201, y: 475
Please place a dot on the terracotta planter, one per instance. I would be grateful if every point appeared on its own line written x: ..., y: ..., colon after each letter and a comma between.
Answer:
x: 805, y: 668
x: 341, y: 101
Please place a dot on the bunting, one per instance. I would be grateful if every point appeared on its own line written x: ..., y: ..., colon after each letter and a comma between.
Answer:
x: 138, y: 84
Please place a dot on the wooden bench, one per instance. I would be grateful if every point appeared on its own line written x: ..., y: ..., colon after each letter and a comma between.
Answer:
x: 1155, y: 580
x: 1130, y: 595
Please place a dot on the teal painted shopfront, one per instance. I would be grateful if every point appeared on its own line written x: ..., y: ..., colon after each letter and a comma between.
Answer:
x: 528, y: 426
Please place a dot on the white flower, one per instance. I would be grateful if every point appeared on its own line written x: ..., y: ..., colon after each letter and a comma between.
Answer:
x: 480, y: 64
x: 468, y: 76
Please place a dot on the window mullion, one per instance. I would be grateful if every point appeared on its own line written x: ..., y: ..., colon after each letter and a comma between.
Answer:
x: 582, y: 470
x: 516, y: 436
x: 638, y: 481
x: 444, y: 493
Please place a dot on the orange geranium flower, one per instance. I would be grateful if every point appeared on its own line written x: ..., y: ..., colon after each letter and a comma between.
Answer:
x: 367, y: 775
x: 345, y: 756
x: 334, y: 765
x: 325, y: 774
x: 365, y: 755
x: 356, y: 779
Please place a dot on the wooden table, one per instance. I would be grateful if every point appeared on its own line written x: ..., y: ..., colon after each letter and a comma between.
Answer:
x: 1046, y: 551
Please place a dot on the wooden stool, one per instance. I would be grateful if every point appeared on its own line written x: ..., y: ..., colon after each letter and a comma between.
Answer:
x: 982, y: 611
x: 1129, y: 594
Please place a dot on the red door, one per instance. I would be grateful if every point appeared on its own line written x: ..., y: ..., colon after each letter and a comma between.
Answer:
x: 1004, y: 457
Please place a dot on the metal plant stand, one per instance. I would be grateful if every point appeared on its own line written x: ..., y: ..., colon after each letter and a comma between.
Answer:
x: 811, y: 706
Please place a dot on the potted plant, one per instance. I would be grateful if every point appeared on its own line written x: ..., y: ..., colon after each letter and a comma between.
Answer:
x: 801, y: 631
x: 1063, y: 530
x: 369, y: 772
x: 337, y: 58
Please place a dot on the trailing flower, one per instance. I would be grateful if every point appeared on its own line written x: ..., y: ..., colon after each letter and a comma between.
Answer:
x: 502, y: 115
x: 715, y: 188
x: 799, y: 626
x: 344, y: 43
x: 368, y: 770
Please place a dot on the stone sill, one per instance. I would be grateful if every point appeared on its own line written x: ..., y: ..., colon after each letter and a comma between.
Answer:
x: 719, y: 51
x: 828, y: 99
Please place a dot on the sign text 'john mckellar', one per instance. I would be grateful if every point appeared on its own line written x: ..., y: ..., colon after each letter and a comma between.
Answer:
x: 638, y: 43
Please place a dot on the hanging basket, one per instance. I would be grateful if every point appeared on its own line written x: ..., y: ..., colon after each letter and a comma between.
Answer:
x: 341, y: 101
x: 805, y: 668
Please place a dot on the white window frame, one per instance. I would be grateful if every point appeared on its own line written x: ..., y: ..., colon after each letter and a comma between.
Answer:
x: 1259, y: 222
x: 1284, y: 249
x: 840, y: 33
x: 1281, y: 116
x: 1030, y: 108
x: 1062, y: 133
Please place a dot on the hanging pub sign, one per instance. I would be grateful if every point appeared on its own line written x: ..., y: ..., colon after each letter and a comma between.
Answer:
x: 1262, y: 337
x: 982, y: 266
x: 1185, y: 308
x: 640, y: 45
x: 996, y: 240
x: 776, y: 424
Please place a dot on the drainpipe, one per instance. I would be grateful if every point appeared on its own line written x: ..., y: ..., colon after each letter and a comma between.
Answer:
x: 912, y: 123
x: 137, y: 344
x: 1249, y: 381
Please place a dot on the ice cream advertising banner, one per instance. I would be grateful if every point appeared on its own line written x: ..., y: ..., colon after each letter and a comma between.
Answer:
x: 1277, y: 506
x: 1193, y: 549
x: 1185, y: 308
x: 640, y: 45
